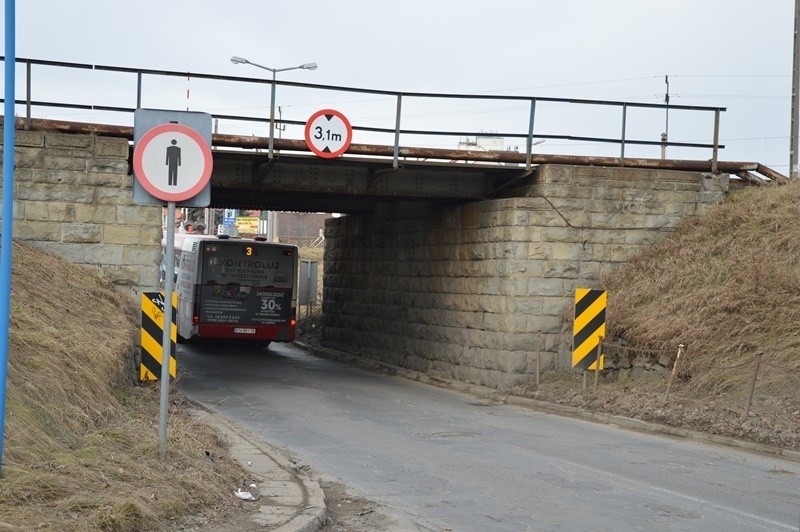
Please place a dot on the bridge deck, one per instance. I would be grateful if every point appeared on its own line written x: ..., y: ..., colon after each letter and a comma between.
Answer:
x: 295, y: 180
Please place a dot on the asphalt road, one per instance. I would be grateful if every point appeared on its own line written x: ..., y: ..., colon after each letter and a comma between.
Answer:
x: 450, y: 461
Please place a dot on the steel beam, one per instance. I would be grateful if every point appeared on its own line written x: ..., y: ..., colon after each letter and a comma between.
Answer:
x: 450, y: 156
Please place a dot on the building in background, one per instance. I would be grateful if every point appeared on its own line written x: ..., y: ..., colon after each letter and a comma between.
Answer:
x: 303, y: 229
x: 487, y: 142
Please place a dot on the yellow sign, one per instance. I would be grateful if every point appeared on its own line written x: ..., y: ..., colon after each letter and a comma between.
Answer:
x: 589, y: 328
x: 152, y: 335
x: 248, y: 224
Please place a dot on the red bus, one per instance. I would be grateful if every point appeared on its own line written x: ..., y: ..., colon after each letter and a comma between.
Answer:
x: 239, y: 288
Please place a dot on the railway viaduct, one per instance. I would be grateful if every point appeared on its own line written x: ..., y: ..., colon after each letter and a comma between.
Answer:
x: 460, y: 284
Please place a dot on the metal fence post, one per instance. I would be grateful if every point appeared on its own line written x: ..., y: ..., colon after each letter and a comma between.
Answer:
x: 715, y: 149
x: 138, y: 90
x: 681, y: 349
x: 395, y: 163
x: 597, y: 361
x: 28, y: 92
x: 624, y: 122
x: 529, y: 142
x: 756, y: 367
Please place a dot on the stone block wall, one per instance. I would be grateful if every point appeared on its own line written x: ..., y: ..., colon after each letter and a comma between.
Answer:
x: 73, y: 197
x: 476, y: 291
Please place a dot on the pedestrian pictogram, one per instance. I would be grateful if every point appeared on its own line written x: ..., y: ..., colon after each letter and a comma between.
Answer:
x: 328, y: 133
x: 589, y: 328
x: 172, y: 162
x: 152, y: 333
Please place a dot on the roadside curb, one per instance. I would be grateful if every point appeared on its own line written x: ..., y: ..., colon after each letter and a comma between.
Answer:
x: 290, y: 500
x: 555, y: 408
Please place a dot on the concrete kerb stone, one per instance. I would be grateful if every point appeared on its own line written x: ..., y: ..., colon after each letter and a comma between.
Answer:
x: 497, y: 396
x: 303, y: 509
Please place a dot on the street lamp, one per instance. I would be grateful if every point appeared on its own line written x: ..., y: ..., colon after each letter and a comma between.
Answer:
x: 236, y: 60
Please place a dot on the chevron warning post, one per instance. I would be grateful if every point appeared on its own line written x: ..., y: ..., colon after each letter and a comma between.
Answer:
x: 152, y: 334
x: 590, y: 326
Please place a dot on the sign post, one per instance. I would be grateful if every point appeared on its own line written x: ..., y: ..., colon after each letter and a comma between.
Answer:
x: 173, y: 163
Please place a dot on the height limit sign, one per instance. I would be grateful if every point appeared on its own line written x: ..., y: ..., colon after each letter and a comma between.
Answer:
x: 328, y: 133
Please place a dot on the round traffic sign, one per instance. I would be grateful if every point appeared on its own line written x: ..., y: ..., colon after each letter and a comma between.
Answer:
x: 172, y: 162
x: 328, y: 133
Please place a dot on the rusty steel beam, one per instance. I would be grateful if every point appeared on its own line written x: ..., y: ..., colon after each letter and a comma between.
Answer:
x: 772, y: 174
x: 61, y: 126
x: 751, y: 178
x: 250, y: 142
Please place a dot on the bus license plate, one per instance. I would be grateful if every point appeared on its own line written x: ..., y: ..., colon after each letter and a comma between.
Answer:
x: 244, y: 330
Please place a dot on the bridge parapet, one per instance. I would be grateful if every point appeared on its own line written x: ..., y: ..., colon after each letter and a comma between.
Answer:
x: 394, y: 108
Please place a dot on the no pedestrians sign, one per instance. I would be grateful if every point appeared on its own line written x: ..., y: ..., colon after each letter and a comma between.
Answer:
x: 172, y: 162
x: 172, y: 158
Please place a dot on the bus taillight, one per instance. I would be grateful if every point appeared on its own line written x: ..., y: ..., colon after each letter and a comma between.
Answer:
x: 293, y: 319
x: 195, y: 319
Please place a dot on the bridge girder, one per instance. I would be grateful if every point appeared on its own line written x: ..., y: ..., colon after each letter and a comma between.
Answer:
x: 300, y: 182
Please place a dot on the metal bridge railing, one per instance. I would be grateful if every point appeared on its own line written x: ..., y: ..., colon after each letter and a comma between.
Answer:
x: 531, y: 136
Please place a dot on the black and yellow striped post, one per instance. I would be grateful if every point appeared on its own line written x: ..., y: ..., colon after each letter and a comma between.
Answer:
x: 589, y: 328
x: 152, y: 335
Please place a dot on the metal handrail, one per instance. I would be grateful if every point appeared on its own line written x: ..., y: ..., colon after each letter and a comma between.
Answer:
x: 397, y: 131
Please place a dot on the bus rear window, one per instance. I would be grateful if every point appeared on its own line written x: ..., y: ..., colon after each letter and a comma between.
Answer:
x: 246, y: 264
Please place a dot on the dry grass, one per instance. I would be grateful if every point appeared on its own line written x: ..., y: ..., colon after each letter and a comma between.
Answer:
x: 81, y: 440
x: 728, y: 286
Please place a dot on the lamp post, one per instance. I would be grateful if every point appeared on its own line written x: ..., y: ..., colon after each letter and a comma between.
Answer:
x: 307, y: 66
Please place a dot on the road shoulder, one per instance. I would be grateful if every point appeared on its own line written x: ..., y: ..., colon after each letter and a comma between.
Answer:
x: 286, y: 498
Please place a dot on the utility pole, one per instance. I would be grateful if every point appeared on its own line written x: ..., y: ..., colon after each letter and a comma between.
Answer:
x: 793, y: 169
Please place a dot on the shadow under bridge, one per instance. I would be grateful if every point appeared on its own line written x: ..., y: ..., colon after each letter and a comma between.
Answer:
x: 302, y: 182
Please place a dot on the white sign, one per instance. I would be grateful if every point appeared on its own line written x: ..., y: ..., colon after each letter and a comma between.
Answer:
x: 328, y: 133
x: 172, y: 162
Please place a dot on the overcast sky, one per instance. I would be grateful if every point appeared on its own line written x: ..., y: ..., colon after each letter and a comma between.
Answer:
x: 728, y: 53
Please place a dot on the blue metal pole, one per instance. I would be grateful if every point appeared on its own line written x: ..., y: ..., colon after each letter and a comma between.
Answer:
x: 8, y: 214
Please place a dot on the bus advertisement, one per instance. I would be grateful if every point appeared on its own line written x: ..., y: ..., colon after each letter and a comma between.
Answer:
x: 236, y: 288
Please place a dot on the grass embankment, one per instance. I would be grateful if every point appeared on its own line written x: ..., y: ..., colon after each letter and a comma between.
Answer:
x: 81, y: 439
x: 728, y: 286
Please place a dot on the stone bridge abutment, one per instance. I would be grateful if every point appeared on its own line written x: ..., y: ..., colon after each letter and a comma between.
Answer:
x: 73, y: 197
x: 473, y: 291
